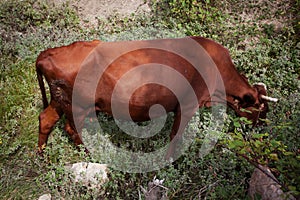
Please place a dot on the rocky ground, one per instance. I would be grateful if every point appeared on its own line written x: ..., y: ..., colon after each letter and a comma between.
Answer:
x: 92, y: 10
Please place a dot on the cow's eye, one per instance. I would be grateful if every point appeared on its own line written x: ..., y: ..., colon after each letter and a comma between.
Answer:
x: 248, y: 99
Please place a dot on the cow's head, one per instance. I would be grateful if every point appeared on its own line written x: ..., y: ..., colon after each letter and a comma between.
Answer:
x: 254, y: 106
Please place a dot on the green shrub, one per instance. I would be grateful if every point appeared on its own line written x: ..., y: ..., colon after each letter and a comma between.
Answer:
x: 26, y: 15
x: 20, y: 17
x: 193, y: 17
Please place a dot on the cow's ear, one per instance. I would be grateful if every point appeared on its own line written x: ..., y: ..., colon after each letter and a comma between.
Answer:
x: 261, y: 89
x: 248, y: 99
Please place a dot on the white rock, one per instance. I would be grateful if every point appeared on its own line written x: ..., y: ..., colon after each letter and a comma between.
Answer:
x: 45, y: 197
x: 90, y: 174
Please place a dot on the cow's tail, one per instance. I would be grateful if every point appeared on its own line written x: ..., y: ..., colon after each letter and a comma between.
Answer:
x: 41, y: 84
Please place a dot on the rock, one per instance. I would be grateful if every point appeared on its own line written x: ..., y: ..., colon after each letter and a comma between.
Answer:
x: 45, y: 197
x: 90, y: 174
x: 266, y: 186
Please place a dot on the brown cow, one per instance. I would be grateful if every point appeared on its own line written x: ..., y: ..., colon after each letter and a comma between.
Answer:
x: 125, y: 79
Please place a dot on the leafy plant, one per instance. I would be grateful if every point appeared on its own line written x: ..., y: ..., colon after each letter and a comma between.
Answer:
x: 28, y: 14
x: 191, y: 16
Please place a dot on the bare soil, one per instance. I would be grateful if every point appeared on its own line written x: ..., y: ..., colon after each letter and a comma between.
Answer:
x: 91, y: 10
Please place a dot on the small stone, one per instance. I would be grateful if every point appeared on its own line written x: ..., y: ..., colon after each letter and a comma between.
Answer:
x: 45, y: 197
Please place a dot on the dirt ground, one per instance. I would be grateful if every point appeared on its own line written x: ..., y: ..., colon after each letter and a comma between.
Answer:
x: 91, y: 10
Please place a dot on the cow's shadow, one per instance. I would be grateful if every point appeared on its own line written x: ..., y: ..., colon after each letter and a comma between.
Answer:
x: 106, y: 126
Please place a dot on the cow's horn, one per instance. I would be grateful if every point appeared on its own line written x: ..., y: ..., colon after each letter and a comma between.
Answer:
x: 269, y: 98
x: 261, y: 84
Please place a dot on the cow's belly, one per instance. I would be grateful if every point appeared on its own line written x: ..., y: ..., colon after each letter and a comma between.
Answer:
x: 154, y: 109
x: 142, y: 105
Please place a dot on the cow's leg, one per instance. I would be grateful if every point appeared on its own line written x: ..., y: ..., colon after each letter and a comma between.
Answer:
x: 76, y: 117
x: 181, y: 120
x: 72, y: 132
x: 47, y: 119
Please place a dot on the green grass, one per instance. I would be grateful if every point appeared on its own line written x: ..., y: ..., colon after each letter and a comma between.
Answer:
x: 264, y: 44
